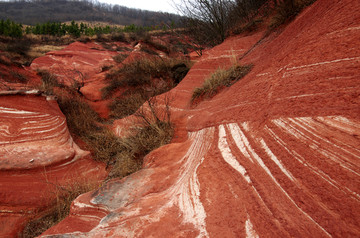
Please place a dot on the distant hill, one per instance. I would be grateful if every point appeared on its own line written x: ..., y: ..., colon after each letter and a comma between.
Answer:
x: 31, y: 12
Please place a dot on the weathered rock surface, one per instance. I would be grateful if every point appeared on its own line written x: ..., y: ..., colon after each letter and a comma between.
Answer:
x: 77, y: 61
x: 83, y: 64
x: 275, y: 155
x: 37, y: 154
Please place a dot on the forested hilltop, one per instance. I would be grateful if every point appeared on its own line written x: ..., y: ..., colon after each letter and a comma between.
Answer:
x: 31, y: 12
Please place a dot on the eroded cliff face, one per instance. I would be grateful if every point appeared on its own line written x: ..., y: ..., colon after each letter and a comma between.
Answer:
x: 37, y: 155
x: 275, y: 155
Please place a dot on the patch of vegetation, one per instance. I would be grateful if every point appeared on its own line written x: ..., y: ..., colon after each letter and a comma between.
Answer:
x: 60, y: 209
x: 48, y: 81
x: 138, y: 78
x: 119, y: 36
x: 19, y: 78
x: 122, y: 48
x: 123, y: 155
x: 140, y: 73
x: 157, y: 45
x: 20, y: 47
x: 287, y: 10
x: 120, y: 58
x: 148, y: 51
x: 219, y: 79
x: 74, y: 29
x: 126, y: 104
x: 10, y: 28
x: 156, y: 130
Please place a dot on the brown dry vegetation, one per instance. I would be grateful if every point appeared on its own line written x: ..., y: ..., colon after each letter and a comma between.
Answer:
x: 64, y: 195
x: 219, y: 79
x: 138, y: 76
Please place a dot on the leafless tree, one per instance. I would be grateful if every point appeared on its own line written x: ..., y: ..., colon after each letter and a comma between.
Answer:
x: 208, y: 19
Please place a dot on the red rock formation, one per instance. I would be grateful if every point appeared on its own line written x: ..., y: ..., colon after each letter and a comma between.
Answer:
x: 83, y: 63
x: 275, y: 155
x: 37, y: 154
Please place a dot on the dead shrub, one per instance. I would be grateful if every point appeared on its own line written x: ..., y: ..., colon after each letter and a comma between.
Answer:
x: 148, y: 50
x: 19, y: 77
x: 20, y: 47
x: 118, y: 36
x: 120, y: 58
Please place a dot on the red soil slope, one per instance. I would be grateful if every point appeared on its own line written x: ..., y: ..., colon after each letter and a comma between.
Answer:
x: 37, y: 154
x: 275, y: 155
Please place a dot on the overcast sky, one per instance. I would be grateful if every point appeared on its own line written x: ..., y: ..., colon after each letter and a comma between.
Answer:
x: 152, y: 5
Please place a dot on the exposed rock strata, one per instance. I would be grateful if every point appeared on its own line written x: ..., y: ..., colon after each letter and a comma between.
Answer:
x: 37, y: 154
x: 275, y: 155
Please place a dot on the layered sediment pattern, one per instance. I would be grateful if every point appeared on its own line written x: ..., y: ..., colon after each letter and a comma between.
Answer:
x: 275, y: 155
x: 37, y: 156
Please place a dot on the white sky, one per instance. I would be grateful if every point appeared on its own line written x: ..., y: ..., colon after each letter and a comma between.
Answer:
x: 152, y: 5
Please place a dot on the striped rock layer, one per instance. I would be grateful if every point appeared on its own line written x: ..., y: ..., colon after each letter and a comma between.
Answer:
x: 37, y: 156
x: 275, y: 155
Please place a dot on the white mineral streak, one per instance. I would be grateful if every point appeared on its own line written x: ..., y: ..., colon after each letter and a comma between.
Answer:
x: 249, y: 229
x: 276, y: 161
x: 293, y: 126
x: 226, y: 152
x: 284, y: 124
x: 15, y: 111
x: 43, y: 127
x: 324, y: 63
x: 228, y: 156
x: 311, y: 126
x: 241, y: 141
x: 341, y: 123
x: 188, y: 185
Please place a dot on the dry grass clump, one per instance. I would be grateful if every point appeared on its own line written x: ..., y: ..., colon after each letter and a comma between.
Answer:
x: 48, y: 81
x: 81, y: 118
x: 64, y: 195
x: 40, y: 50
x: 156, y: 131
x: 219, y: 79
x: 126, y: 104
x: 136, y: 147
